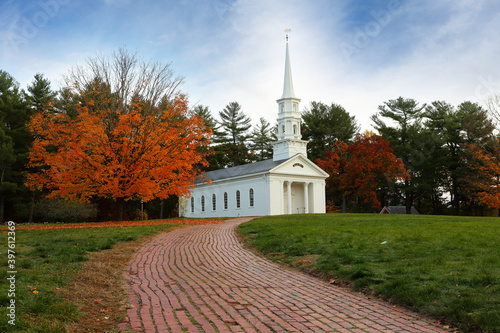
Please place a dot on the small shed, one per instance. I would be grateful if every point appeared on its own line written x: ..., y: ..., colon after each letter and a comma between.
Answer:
x: 397, y: 210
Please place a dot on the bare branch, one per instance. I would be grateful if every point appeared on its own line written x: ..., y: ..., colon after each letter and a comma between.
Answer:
x: 128, y: 78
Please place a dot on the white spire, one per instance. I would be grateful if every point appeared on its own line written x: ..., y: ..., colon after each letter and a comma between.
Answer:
x: 288, y: 84
x: 289, y: 136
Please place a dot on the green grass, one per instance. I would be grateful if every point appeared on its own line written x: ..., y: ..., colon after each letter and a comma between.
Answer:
x: 46, y: 260
x: 443, y: 266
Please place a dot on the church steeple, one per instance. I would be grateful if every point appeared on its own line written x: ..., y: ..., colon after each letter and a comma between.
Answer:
x: 289, y: 119
x: 288, y: 84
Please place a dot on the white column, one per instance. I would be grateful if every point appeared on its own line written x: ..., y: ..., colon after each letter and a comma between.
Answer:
x: 306, y: 198
x: 289, y: 196
x: 282, y: 198
x: 313, y: 208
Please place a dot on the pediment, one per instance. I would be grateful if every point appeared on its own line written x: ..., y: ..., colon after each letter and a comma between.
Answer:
x: 299, y: 165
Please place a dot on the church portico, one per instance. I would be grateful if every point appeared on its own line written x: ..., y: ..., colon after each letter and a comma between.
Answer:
x: 301, y: 200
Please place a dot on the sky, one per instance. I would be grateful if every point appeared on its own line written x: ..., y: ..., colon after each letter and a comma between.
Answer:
x: 355, y: 53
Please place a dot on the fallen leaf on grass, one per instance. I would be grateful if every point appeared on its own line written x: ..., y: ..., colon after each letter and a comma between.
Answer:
x: 117, y: 224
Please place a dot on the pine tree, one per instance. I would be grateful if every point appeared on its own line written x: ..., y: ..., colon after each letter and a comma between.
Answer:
x: 235, y: 125
x: 40, y: 96
x: 404, y: 134
x: 15, y: 141
x: 324, y: 125
x: 262, y: 137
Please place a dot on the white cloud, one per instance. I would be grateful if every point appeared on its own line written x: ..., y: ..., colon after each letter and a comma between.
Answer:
x: 235, y: 50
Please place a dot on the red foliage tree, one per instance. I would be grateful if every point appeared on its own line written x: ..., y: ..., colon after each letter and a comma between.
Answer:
x: 481, y: 182
x: 357, y: 169
x: 135, y: 151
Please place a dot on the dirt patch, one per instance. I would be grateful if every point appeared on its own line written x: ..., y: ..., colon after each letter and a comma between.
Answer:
x: 99, y: 290
x: 306, y: 262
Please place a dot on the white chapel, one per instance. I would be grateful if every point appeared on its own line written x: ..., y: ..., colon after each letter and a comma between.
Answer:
x: 289, y: 183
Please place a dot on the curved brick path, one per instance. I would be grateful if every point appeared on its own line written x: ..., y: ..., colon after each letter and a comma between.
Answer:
x: 200, y: 279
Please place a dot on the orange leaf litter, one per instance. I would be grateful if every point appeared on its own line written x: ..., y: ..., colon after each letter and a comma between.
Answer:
x: 112, y: 224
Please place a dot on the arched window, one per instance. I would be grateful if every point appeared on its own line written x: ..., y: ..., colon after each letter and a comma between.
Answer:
x: 238, y: 199
x: 225, y: 200
x: 214, y: 202
x: 202, y: 203
x: 294, y: 129
x: 192, y: 204
x: 282, y: 107
x: 283, y: 129
x: 250, y: 197
x: 294, y: 107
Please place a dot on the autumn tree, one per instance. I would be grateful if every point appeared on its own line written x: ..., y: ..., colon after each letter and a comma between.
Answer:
x: 358, y: 169
x: 483, y: 180
x: 141, y: 157
x: 130, y: 135
x: 335, y: 165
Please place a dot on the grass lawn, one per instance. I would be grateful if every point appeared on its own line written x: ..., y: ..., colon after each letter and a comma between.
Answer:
x: 48, y: 261
x: 445, y: 267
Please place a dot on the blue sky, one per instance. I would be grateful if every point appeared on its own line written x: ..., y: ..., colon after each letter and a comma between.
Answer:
x: 354, y: 53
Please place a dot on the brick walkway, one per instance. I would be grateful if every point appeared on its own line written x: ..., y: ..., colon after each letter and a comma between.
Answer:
x: 200, y: 279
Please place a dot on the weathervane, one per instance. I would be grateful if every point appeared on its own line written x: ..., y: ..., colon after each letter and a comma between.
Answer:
x: 287, y: 31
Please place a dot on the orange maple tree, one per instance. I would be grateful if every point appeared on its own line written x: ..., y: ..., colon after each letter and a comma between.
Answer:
x: 356, y: 169
x: 482, y: 180
x: 134, y: 151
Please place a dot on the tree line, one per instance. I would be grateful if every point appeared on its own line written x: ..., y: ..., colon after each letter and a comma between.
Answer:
x: 121, y: 132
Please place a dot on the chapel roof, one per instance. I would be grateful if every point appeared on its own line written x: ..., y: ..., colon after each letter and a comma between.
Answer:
x: 242, y: 170
x: 399, y: 209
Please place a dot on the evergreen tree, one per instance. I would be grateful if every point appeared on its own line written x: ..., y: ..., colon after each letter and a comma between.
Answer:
x: 204, y: 112
x: 40, y: 96
x: 407, y: 140
x: 442, y: 131
x: 41, y: 99
x: 262, y: 137
x: 216, y: 158
x: 323, y: 125
x: 15, y: 141
x: 235, y: 125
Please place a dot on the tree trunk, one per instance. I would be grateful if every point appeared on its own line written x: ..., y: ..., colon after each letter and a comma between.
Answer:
x: 32, y: 207
x: 456, y: 198
x: 344, y: 203
x: 1, y: 207
x: 408, y: 198
x: 119, y: 208
x: 408, y: 203
x: 2, y: 198
x: 472, y: 208
x: 161, y: 210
